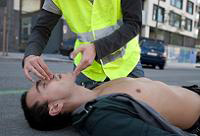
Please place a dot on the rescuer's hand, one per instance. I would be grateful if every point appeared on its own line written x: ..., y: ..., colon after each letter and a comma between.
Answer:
x: 36, y: 65
x: 88, y: 56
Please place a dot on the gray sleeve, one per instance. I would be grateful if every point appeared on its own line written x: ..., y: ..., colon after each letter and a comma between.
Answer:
x: 51, y: 7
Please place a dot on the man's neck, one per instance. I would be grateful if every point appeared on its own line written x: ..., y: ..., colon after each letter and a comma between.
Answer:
x: 81, y: 96
x: 85, y: 94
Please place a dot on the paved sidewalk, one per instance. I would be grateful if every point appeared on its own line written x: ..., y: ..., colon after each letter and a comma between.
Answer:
x: 61, y: 58
x: 47, y: 57
x: 181, y: 65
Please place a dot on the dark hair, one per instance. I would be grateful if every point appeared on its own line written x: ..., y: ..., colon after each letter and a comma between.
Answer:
x: 38, y: 116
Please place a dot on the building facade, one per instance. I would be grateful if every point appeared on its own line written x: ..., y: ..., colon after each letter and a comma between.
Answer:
x: 19, y: 26
x: 8, y: 23
x: 174, y: 21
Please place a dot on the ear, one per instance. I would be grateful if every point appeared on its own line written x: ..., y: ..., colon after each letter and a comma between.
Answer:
x: 55, y: 108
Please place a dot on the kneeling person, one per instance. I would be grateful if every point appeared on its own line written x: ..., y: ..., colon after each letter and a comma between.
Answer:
x: 48, y: 104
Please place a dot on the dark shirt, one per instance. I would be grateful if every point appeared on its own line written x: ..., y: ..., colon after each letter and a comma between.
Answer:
x: 132, y: 21
x: 121, y: 115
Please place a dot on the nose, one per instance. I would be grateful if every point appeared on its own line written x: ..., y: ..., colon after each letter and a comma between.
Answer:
x: 57, y: 77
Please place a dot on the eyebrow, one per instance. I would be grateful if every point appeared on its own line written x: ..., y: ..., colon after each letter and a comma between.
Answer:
x: 37, y: 86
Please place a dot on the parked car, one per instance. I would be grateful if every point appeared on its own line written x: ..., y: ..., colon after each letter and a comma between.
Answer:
x: 153, y: 53
x: 67, y: 47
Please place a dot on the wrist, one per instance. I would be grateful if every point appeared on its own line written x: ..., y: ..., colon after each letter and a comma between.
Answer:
x: 26, y: 58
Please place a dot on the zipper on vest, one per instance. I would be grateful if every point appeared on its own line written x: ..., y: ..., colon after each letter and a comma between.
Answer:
x: 93, y: 32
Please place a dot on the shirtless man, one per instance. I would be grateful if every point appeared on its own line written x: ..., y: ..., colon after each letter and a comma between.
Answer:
x: 180, y: 106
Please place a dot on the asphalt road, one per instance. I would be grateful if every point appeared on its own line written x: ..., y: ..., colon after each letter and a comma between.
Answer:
x: 13, y: 83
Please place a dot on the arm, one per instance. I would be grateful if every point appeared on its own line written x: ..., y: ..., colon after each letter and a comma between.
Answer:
x: 41, y: 32
x: 132, y: 19
x: 47, y: 19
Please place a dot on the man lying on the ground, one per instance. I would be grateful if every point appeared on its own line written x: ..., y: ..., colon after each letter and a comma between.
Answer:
x: 48, y: 105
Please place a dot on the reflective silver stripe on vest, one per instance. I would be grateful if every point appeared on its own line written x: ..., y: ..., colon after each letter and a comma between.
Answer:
x: 85, y: 37
x: 50, y: 6
x: 88, y: 37
x: 107, y: 31
x: 112, y: 57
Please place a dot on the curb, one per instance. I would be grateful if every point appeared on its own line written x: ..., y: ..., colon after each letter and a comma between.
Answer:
x: 183, y: 65
x: 47, y: 58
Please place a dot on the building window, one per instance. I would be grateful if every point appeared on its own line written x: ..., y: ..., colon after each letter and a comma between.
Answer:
x: 176, y: 39
x: 177, y: 3
x: 190, y: 7
x: 196, y: 24
x: 189, y: 42
x: 175, y: 20
x: 188, y: 24
x: 26, y: 28
x: 160, y: 15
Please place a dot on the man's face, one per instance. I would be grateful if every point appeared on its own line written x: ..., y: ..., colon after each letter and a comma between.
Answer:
x: 48, y: 91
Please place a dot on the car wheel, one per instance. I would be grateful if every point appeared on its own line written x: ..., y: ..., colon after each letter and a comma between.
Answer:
x: 153, y: 66
x: 161, y: 66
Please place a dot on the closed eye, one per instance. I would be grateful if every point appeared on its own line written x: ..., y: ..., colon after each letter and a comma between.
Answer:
x: 42, y: 84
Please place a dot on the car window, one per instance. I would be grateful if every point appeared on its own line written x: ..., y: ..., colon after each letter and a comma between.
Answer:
x: 153, y: 45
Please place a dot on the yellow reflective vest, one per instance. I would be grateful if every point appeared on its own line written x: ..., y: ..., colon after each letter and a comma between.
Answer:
x: 94, y: 21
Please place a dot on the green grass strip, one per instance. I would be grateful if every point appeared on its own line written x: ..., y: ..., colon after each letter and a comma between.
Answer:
x: 5, y: 92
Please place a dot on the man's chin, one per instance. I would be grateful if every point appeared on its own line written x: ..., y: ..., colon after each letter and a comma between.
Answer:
x: 68, y: 76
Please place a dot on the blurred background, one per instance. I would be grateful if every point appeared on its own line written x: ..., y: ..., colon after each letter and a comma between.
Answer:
x: 176, y: 22
x: 170, y: 35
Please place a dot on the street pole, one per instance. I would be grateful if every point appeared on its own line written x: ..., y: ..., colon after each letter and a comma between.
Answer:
x: 20, y: 23
x: 8, y: 26
x: 5, y: 31
x: 156, y: 32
